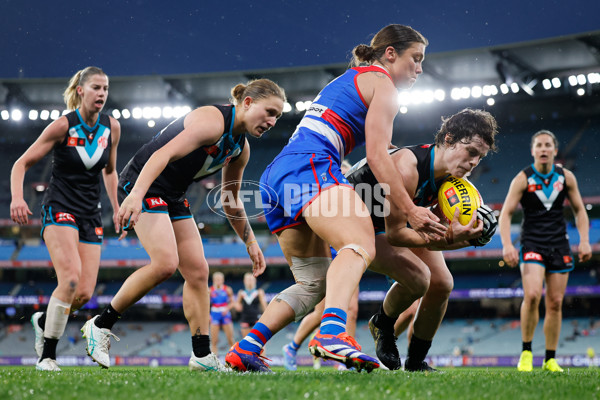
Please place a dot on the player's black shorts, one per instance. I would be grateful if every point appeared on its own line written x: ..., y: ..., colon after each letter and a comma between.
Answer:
x: 89, y: 228
x: 155, y: 202
x: 248, y: 321
x: 554, y: 259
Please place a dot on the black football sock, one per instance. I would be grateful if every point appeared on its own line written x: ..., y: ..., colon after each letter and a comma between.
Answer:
x: 382, y: 321
x: 418, y: 349
x: 108, y: 318
x: 42, y: 321
x: 49, y: 349
x: 201, y: 345
x: 550, y: 354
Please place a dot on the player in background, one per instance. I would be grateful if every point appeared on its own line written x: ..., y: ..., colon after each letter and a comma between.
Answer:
x: 152, y: 188
x: 320, y: 209
x: 250, y: 303
x: 84, y: 146
x: 221, y: 303
x: 417, y: 266
x: 312, y: 321
x: 545, y: 256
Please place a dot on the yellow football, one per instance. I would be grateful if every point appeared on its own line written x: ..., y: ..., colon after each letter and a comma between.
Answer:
x: 459, y: 192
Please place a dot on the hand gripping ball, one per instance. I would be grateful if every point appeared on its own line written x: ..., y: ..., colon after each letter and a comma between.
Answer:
x: 459, y: 192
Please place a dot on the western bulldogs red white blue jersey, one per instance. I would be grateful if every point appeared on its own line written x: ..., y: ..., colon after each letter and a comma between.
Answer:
x: 219, y: 299
x: 76, y: 166
x: 335, y: 118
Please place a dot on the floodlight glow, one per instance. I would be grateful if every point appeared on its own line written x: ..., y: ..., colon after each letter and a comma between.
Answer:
x: 580, y: 91
x: 428, y: 96
x: 5, y: 115
x: 16, y: 115
x: 300, y: 106
x: 44, y: 115
x: 465, y: 92
x: 33, y: 115
x: 177, y: 111
x: 54, y: 114
x: 556, y: 83
x: 547, y: 84
x: 416, y: 97
x: 287, y: 107
x: 476, y: 91
x: 490, y: 101
x: 455, y: 94
x: 151, y: 123
x: 494, y: 90
x: 136, y: 113
x: 404, y: 98
x: 439, y: 95
x: 147, y: 112
x: 487, y: 90
x: 581, y: 79
x: 126, y: 114
x: 593, y: 77
x: 504, y: 88
x: 156, y: 112
x: 65, y: 112
x: 307, y: 104
x: 116, y: 114
x: 573, y: 80
x: 403, y: 110
x: 514, y: 87
x: 167, y: 112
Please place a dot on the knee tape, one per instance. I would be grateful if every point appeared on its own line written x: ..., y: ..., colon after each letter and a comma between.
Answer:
x: 360, y: 251
x: 309, y: 289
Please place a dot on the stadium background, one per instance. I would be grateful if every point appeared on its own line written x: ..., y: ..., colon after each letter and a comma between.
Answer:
x: 542, y: 72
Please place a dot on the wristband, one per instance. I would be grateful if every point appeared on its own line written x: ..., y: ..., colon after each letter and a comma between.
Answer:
x: 250, y: 243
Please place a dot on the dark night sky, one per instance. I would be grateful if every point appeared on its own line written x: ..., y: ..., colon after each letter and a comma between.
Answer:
x: 135, y: 37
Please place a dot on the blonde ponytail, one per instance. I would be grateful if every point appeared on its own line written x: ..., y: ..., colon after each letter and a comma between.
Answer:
x: 70, y: 95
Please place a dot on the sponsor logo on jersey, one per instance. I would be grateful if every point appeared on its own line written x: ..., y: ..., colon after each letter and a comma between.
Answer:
x: 74, y: 142
x: 451, y: 196
x: 103, y: 142
x: 156, y: 202
x: 64, y: 217
x: 99, y: 231
x: 212, y: 150
x: 533, y: 187
x: 567, y: 259
x: 558, y: 186
x: 532, y: 256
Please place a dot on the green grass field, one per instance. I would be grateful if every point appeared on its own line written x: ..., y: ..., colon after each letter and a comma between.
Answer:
x: 179, y: 383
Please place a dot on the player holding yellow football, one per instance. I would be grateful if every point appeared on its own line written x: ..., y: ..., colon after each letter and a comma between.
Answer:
x: 541, y: 188
x: 403, y: 255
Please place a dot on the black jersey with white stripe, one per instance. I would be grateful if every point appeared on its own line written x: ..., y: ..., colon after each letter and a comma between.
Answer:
x: 76, y: 166
x: 200, y: 163
x: 543, y: 219
x: 250, y: 306
x: 427, y: 186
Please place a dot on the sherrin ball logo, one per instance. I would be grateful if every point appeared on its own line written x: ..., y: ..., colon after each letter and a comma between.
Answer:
x: 459, y: 192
